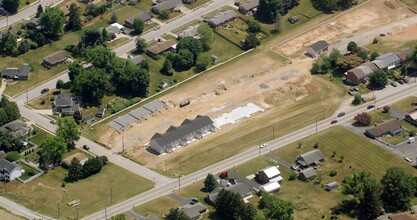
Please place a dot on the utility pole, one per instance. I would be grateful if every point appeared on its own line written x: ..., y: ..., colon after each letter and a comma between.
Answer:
x: 374, y: 104
x: 179, y: 176
x: 27, y: 98
x: 259, y: 149
x: 123, y: 144
x: 77, y: 213
x: 273, y: 131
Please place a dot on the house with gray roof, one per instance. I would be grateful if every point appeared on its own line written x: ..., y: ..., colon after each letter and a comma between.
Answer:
x: 194, y: 211
x: 392, y: 127
x: 166, y: 5
x: 9, y: 171
x: 136, y: 59
x: 391, y: 60
x: 222, y: 18
x: 310, y: 158
x: 65, y: 104
x: 55, y: 58
x: 307, y: 174
x: 317, y: 48
x: 190, y: 31
x: 144, y: 16
x: 34, y: 23
x: 239, y: 188
x: 181, y: 135
x: 360, y: 74
x: 248, y: 6
x: 160, y: 47
x: 17, y: 128
x: 21, y: 73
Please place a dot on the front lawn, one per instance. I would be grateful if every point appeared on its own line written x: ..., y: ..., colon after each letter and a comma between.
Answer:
x: 378, y: 117
x: 157, y: 207
x: 40, y: 136
x: 406, y: 104
x: 397, y: 139
x: 45, y: 193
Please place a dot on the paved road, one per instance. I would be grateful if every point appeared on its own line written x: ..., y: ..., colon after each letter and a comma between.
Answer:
x: 26, y: 13
x: 168, y: 27
x: 20, y: 210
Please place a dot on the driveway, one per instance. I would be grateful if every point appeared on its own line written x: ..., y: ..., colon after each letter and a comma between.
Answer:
x: 278, y: 160
x: 242, y: 179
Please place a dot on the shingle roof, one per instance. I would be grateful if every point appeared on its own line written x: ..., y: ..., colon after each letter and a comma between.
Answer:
x: 389, y: 58
x: 221, y: 17
x: 161, y: 47
x: 167, y: 5
x: 201, y: 121
x: 319, y: 45
x: 9, y: 166
x: 392, y: 125
x: 309, y: 172
x: 112, y: 29
x: 248, y: 5
x: 137, y: 59
x: 380, y: 64
x: 193, y: 211
x: 270, y: 187
x: 403, y: 216
x: 310, y: 157
x: 22, y: 71
x: 144, y: 16
x: 271, y: 171
x: 63, y: 99
x: 190, y: 31
x: 56, y: 57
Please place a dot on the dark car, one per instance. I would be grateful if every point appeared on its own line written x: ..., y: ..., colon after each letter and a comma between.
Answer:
x: 350, y: 93
x: 394, y: 84
x: 341, y: 114
x: 370, y: 106
x: 406, y: 80
x: 382, y: 35
x: 333, y: 122
x: 86, y: 147
x: 45, y: 90
x: 400, y: 81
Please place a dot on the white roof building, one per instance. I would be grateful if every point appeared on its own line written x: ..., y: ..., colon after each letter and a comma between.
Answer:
x: 271, y: 171
x: 270, y: 187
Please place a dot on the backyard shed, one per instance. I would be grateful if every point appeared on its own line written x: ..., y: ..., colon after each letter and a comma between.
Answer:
x: 317, y: 48
x: 331, y: 186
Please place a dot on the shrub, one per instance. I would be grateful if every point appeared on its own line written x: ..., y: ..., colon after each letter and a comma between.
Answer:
x: 52, y: 98
x: 292, y: 177
x: 31, y: 172
x: 23, y: 26
x: 27, y: 2
x: 357, y: 99
x: 33, y: 45
x: 34, y: 132
x: 412, y: 133
x: 104, y: 159
x: 63, y: 184
x: 12, y: 156
x: 333, y: 173
x: 387, y: 109
x: 19, y: 32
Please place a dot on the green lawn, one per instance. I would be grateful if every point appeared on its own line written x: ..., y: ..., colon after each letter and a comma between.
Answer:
x: 44, y: 194
x: 196, y: 4
x: 26, y: 168
x: 235, y: 31
x: 394, y: 140
x: 117, y: 42
x: 411, y: 3
x: 40, y: 136
x: 378, y: 117
x: 157, y: 206
x: 253, y: 166
x: 406, y: 104
x: 385, y: 46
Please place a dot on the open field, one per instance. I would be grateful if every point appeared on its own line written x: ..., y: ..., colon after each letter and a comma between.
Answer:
x: 406, y: 104
x: 344, y: 26
x: 344, y: 143
x: 45, y: 193
x: 411, y: 3
x: 157, y: 206
x: 4, y: 214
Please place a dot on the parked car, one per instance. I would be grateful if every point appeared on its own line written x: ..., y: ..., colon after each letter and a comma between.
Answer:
x: 363, y: 99
x: 45, y: 90
x: 408, y: 159
x: 52, y: 122
x: 356, y: 89
x: 394, y: 84
x: 264, y: 145
x: 370, y: 106
x: 400, y: 81
x: 406, y: 80
x: 341, y: 114
x: 86, y: 147
x: 333, y: 122
x: 382, y: 35
x: 350, y: 93
x: 233, y: 181
x: 293, y: 167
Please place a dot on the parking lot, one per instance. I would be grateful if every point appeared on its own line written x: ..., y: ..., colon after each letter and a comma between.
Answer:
x: 408, y: 150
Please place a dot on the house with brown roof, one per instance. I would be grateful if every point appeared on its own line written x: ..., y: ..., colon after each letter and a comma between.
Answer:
x: 144, y: 16
x: 392, y: 127
x: 17, y: 128
x: 248, y: 6
x: 56, y: 58
x: 166, y: 5
x: 412, y: 117
x: 222, y: 18
x: 160, y: 47
x: 403, y: 53
x: 360, y: 74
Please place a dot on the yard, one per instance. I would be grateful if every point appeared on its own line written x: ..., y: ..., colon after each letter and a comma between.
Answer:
x: 40, y: 135
x: 397, y: 139
x: 45, y: 193
x: 411, y: 3
x: 197, y: 4
x: 157, y: 207
x: 406, y: 104
x: 235, y: 31
x: 29, y: 171
x: 119, y: 41
x: 377, y: 117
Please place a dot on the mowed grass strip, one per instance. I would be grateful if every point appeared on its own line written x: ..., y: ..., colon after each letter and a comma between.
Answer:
x: 45, y: 193
x: 4, y: 214
x: 410, y: 3
x: 406, y: 104
x: 40, y: 136
x: 157, y: 206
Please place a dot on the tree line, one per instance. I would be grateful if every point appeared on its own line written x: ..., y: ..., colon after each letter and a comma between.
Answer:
x: 92, y: 166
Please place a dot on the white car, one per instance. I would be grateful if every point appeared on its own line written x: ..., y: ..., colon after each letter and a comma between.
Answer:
x: 264, y: 145
x: 408, y: 159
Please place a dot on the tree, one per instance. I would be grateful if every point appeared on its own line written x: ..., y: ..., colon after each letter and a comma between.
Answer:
x: 119, y: 217
x: 366, y: 190
x: 134, y: 80
x: 92, y: 166
x: 10, y: 108
x: 325, y: 5
x: 167, y: 66
x: 8, y: 43
x: 206, y: 36
x: 176, y: 214
x: 398, y: 188
x: 40, y: 39
x: 352, y: 46
x: 378, y: 79
x: 363, y: 119
x: 39, y: 11
x: 192, y: 45
x: 138, y: 26
x: 228, y: 204
x: 74, y: 19
x: 12, y: 156
x: 362, y: 54
x: 10, y: 143
x: 321, y: 65
x: 52, y: 21
x: 141, y: 45
x: 164, y: 14
x: 52, y: 151
x: 357, y: 99
x: 105, y: 35
x: 74, y: 70
x: 251, y: 41
x: 210, y: 183
x: 333, y: 56
x: 374, y: 55
x: 24, y: 46
x: 91, y: 37
x: 113, y: 18
x: 185, y: 59
x: 348, y: 62
x: 253, y: 26
x: 75, y: 170
x: 269, y: 10
x: 11, y: 5
x: 68, y: 130
x: 59, y: 84
x: 91, y: 85
x: 203, y: 61
x: 275, y: 208
x: 247, y: 211
x: 100, y: 56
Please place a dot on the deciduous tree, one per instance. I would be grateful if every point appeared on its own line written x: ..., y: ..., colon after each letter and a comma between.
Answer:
x: 12, y: 156
x: 348, y: 62
x: 100, y: 56
x: 164, y: 14
x: 24, y: 46
x: 75, y: 170
x: 68, y: 130
x: 176, y: 214
x: 91, y: 37
x: 269, y: 10
x: 91, y: 85
x: 378, y: 79
x: 363, y: 119
x: 8, y: 43
x: 203, y: 61
x: 228, y: 204
x: 11, y: 5
x: 192, y: 45
x: 74, y: 69
x: 398, y: 188
x: 275, y: 208
x: 251, y: 41
x: 352, y: 46
x: 253, y: 26
x: 210, y: 183
x: 39, y: 11
x: 138, y: 26
x: 206, y: 36
x: 74, y: 20
x: 52, y: 21
x: 113, y: 18
x: 52, y: 151
x: 141, y: 45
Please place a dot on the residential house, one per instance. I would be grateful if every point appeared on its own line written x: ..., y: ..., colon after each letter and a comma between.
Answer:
x: 80, y: 156
x: 307, y: 174
x: 222, y: 18
x: 270, y: 187
x: 392, y: 127
x: 179, y: 136
x: 56, y: 58
x: 33, y: 23
x: 269, y: 174
x: 160, y: 47
x: 331, y: 186
x: 311, y: 158
x: 144, y: 16
x: 361, y: 73
x: 21, y: 73
x: 65, y: 7
x: 9, y: 171
x: 248, y: 6
x: 17, y: 128
x: 65, y: 104
x: 402, y: 216
x: 317, y: 48
x: 194, y: 211
x: 190, y: 31
x: 403, y: 53
x: 101, y: 112
x: 390, y: 61
x: 112, y: 30
x: 90, y: 118
x: 240, y: 188
x: 412, y: 117
x: 136, y: 59
x: 166, y: 5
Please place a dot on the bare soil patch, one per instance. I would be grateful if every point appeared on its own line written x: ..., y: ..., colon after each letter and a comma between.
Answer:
x: 372, y: 14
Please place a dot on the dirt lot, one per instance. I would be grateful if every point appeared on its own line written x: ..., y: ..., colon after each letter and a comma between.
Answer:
x: 373, y: 14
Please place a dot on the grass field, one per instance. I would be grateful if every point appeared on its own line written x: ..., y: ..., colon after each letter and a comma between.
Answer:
x: 45, y: 193
x: 196, y: 4
x: 411, y: 3
x: 358, y: 154
x: 235, y: 31
x: 157, y: 206
x: 5, y: 214
x: 385, y: 46
x: 405, y: 104
x: 40, y: 136
x: 322, y: 102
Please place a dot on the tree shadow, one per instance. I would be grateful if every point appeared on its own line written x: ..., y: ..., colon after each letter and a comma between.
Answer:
x: 346, y: 207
